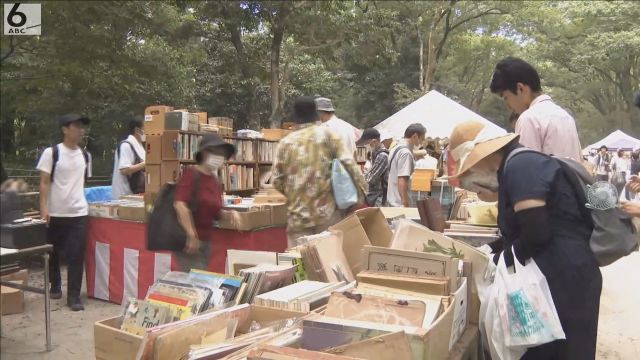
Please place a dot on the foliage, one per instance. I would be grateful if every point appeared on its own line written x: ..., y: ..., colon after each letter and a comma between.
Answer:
x: 249, y: 59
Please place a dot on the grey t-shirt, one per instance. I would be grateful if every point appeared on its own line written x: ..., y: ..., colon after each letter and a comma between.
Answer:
x: 403, y: 164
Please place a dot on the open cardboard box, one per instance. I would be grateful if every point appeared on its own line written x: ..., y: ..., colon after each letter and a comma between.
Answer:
x: 412, y: 236
x: 113, y: 343
x: 254, y: 218
x: 364, y: 227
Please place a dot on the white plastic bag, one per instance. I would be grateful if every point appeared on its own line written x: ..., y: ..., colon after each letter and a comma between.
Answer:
x: 525, y: 308
x: 490, y: 323
x: 344, y: 191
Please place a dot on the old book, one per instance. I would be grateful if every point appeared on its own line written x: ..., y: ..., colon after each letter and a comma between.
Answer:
x: 413, y: 263
x: 324, y: 260
x: 423, y: 284
x: 179, y: 309
x: 141, y: 315
x: 357, y: 306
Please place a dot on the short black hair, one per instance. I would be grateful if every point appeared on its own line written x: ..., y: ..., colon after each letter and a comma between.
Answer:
x: 134, y: 123
x: 510, y: 71
x: 604, y: 147
x: 413, y: 129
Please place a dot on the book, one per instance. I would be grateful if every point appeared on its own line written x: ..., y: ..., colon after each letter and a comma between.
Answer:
x: 264, y: 278
x: 424, y: 284
x: 140, y: 315
x: 179, y: 309
x: 324, y: 260
x: 242, y: 259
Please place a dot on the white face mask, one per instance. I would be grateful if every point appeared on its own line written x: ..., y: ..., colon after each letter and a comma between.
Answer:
x: 214, y: 162
x: 143, y: 136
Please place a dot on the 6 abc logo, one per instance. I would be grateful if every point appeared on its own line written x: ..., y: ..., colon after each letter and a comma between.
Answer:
x: 22, y: 19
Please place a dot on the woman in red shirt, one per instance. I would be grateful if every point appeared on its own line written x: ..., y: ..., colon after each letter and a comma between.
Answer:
x: 202, y: 178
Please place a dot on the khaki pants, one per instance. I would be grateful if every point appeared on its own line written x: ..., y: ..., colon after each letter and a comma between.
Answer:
x: 293, y: 237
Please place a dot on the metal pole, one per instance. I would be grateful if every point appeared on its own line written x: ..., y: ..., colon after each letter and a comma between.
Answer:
x: 47, y: 305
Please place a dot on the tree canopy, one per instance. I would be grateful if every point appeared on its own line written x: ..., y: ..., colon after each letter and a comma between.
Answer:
x: 248, y: 60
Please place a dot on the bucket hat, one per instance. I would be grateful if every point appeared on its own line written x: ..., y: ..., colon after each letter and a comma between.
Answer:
x: 212, y: 141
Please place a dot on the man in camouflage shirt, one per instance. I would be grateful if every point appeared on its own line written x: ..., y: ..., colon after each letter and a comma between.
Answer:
x: 302, y: 172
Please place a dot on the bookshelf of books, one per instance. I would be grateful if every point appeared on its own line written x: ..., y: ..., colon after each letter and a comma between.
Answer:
x: 241, y: 174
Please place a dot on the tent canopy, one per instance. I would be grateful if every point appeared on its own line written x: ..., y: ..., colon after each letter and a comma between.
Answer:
x: 437, y: 113
x: 617, y: 140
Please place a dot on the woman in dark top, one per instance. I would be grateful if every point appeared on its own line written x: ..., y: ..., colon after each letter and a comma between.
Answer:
x: 202, y: 179
x: 540, y: 218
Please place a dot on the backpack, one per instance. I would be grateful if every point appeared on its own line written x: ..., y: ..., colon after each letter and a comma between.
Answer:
x: 137, y: 179
x: 614, y: 234
x: 56, y: 156
x: 163, y: 230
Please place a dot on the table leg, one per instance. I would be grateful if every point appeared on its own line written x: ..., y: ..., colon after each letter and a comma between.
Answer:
x: 47, y: 305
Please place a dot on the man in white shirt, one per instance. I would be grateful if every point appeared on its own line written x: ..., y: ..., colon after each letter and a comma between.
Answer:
x: 402, y: 164
x: 63, y: 169
x: 344, y: 130
x: 129, y: 162
x: 542, y: 125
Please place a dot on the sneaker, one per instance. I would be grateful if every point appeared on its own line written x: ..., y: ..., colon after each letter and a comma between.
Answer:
x: 75, y: 304
x: 55, y: 293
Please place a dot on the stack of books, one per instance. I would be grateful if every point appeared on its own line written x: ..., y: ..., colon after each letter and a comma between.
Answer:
x: 324, y: 260
x: 264, y: 278
x: 303, y: 296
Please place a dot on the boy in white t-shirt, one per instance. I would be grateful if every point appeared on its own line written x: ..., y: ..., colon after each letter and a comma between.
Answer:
x: 129, y: 162
x: 64, y: 207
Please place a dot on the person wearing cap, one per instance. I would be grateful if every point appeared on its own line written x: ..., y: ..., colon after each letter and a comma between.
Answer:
x: 375, y: 177
x: 542, y: 125
x: 402, y: 164
x: 128, y: 164
x: 345, y: 131
x: 302, y: 173
x: 202, y: 180
x: 540, y: 218
x: 63, y: 168
x: 602, y: 163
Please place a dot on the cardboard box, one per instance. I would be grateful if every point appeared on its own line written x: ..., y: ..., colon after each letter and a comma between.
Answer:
x: 153, y: 145
x: 170, y: 171
x: 412, y: 262
x: 154, y: 118
x: 269, y: 198
x: 12, y: 300
x: 362, y: 228
x: 255, y: 218
x: 423, y: 285
x: 279, y: 213
x: 412, y: 236
x: 202, y: 117
x: 132, y: 212
x: 104, y: 210
x: 181, y: 120
x: 112, y: 343
x: 139, y: 198
x: 153, y: 175
x: 274, y: 134
x: 170, y: 139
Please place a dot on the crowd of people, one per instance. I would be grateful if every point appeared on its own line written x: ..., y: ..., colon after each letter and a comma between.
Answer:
x: 540, y: 216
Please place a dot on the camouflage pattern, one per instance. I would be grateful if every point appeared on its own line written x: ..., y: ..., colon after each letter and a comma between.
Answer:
x: 302, y: 172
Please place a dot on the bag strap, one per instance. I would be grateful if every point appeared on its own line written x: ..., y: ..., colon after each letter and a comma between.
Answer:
x: 195, y: 184
x: 85, y: 154
x: 55, y: 155
x: 400, y: 147
x: 136, y: 158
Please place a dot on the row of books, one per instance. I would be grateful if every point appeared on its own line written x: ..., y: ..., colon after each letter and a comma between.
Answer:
x: 187, y: 146
x: 266, y: 151
x: 245, y: 151
x: 237, y: 177
x: 179, y: 296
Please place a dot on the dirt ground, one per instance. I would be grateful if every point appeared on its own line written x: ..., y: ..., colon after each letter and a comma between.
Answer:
x: 72, y: 333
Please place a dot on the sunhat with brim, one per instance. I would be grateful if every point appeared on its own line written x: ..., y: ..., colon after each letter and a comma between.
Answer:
x: 469, y: 143
x: 213, y: 141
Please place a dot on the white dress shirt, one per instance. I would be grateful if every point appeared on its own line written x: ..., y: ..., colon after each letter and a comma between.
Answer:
x: 345, y: 131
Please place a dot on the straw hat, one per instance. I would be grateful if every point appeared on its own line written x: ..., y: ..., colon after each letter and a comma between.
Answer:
x: 469, y: 144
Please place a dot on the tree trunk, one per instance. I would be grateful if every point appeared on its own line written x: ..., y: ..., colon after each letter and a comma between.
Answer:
x: 421, y: 60
x: 276, y: 108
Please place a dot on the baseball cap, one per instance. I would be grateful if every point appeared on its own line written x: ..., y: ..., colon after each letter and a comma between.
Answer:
x: 368, y: 134
x: 67, y: 119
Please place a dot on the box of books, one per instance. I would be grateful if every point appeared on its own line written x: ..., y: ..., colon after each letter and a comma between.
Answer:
x: 250, y: 219
x: 111, y: 342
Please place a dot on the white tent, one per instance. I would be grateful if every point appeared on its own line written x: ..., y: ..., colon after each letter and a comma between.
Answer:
x: 437, y: 113
x: 617, y: 140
